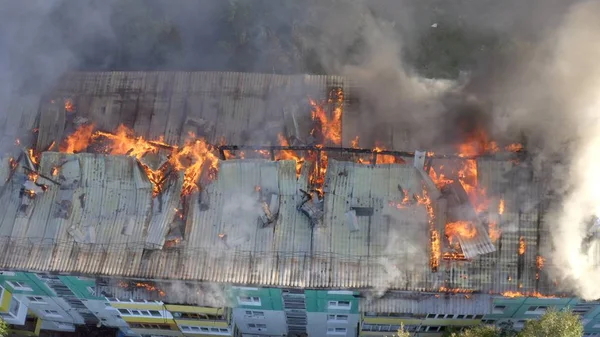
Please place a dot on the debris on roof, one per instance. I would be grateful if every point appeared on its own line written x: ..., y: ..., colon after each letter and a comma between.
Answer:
x: 312, y: 207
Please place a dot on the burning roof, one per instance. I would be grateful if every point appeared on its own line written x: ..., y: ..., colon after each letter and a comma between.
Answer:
x: 166, y: 189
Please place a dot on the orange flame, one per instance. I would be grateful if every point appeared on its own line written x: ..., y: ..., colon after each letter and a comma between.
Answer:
x: 150, y: 287
x: 493, y: 231
x: 501, y: 207
x: 513, y: 294
x: 124, y: 142
x: 386, y: 158
x: 522, y: 246
x: 354, y: 143
x: 13, y: 163
x: 463, y: 229
x: 196, y: 153
x: 330, y: 129
x: 69, y: 107
x: 539, y: 262
x: 289, y: 154
x: 440, y: 180
x: 34, y: 156
x: 455, y: 290
x: 54, y: 171
x: 434, y: 258
x: 514, y: 147
x: 78, y: 140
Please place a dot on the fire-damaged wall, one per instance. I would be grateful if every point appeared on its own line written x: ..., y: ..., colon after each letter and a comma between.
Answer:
x: 310, y: 209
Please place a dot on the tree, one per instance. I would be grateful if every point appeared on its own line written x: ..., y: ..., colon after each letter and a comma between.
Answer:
x: 479, y: 331
x: 554, y: 323
x: 3, y: 328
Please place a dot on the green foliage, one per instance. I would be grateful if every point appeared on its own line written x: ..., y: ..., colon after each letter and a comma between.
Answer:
x: 3, y: 328
x: 554, y: 323
x: 479, y: 331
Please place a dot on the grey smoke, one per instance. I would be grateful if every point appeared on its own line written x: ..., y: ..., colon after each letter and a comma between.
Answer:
x: 543, y: 86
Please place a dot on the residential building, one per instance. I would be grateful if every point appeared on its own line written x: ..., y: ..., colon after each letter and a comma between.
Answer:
x: 263, y: 244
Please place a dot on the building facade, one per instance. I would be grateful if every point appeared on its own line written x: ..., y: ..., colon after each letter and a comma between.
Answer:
x: 32, y: 303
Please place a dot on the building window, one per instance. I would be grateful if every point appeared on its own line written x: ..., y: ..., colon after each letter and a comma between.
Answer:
x: 499, y: 309
x: 337, y: 318
x: 343, y: 305
x: 249, y: 300
x: 581, y: 310
x: 198, y: 329
x: 36, y: 299
x: 64, y: 326
x: 150, y: 326
x: 535, y: 310
x: 144, y: 313
x: 19, y: 285
x: 198, y: 316
x: 257, y: 326
x: 52, y: 313
x: 254, y: 314
x: 336, y: 331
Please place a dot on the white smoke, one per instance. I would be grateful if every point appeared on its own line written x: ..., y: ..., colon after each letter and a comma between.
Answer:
x: 555, y: 99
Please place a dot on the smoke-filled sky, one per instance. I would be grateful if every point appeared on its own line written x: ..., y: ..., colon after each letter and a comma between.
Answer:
x: 527, y: 67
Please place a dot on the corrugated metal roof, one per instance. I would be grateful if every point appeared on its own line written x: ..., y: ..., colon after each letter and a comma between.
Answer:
x: 116, y: 228
x: 242, y: 108
x: 388, y: 250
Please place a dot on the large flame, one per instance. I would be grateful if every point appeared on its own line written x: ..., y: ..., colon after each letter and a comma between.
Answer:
x: 464, y: 229
x: 330, y: 129
x: 79, y: 140
x: 190, y: 158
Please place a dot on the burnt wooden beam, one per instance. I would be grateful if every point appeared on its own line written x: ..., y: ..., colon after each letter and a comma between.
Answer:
x: 354, y: 150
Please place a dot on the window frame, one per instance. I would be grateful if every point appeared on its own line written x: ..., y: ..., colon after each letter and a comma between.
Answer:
x: 335, y: 305
x: 20, y: 286
x: 250, y: 300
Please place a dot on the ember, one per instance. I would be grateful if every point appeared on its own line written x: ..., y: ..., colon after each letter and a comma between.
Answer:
x: 539, y: 261
x: 455, y: 290
x: 33, y: 156
x: 69, y: 105
x: 146, y: 286
x: 522, y: 245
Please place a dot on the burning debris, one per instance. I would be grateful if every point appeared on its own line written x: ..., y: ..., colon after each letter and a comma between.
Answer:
x: 148, y: 286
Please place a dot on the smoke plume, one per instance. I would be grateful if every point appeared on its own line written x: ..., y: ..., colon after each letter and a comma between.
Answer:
x: 544, y: 83
x: 556, y: 101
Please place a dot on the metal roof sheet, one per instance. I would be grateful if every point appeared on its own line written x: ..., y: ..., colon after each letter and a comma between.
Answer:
x: 385, y: 252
